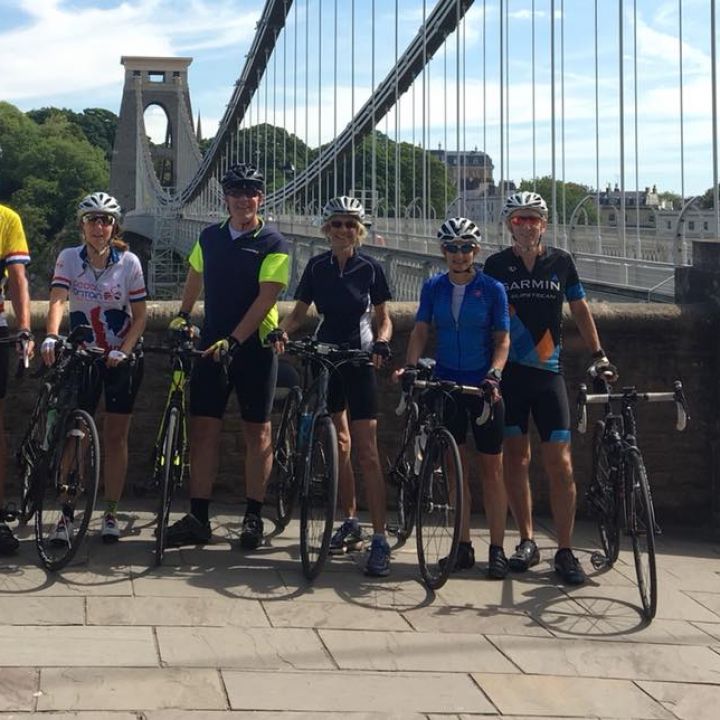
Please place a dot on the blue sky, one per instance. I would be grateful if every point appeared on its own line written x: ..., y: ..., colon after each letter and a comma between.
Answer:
x: 67, y: 53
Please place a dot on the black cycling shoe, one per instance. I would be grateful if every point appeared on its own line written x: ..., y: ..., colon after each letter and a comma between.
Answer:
x: 251, y: 534
x: 525, y: 556
x: 187, y: 530
x: 568, y: 567
x: 464, y: 560
x: 8, y: 542
x: 497, y: 563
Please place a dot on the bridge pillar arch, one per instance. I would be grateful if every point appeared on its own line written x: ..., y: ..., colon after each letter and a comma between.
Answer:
x: 149, y: 81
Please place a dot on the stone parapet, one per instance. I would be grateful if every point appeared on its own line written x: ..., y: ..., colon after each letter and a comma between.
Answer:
x: 651, y: 344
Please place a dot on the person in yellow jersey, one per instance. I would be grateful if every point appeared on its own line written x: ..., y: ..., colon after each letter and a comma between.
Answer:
x: 14, y: 256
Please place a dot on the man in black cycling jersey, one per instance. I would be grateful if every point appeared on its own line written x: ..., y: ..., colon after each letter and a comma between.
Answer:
x: 243, y: 266
x: 538, y: 279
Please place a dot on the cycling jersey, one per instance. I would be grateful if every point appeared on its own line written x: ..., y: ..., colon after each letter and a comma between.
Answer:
x: 464, y: 346
x: 233, y: 265
x: 101, y: 298
x: 536, y: 300
x: 344, y: 298
x: 13, y: 250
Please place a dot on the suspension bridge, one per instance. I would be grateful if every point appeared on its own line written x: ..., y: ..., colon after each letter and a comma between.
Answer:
x: 444, y: 119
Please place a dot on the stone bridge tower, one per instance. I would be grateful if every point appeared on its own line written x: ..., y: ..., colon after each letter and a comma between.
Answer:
x: 153, y: 81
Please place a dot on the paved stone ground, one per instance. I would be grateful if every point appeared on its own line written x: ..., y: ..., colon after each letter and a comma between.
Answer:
x: 217, y: 633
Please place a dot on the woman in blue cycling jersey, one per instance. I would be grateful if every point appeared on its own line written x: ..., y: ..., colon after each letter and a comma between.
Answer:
x: 469, y: 313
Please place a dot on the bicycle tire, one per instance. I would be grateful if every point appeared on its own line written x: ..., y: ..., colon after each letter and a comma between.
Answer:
x: 403, y: 477
x: 171, y: 462
x: 29, y: 456
x: 641, y: 525
x: 75, y: 474
x: 285, y: 480
x: 604, y: 497
x: 319, y: 496
x: 439, y: 508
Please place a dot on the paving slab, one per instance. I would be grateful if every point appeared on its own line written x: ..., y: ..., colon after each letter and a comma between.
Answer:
x: 620, y: 660
x: 349, y: 692
x: 414, y: 651
x: 33, y: 610
x: 18, y: 687
x: 686, y: 701
x: 77, y: 646
x: 555, y: 696
x: 130, y: 689
x: 93, y: 715
x: 74, y: 581
x: 286, y: 715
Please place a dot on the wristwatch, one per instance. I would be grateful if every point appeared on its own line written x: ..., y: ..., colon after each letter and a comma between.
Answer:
x: 495, y: 374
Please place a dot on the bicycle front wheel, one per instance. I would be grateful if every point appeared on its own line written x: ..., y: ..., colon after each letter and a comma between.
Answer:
x: 169, y: 467
x: 641, y: 524
x: 319, y: 495
x: 286, y: 483
x: 65, y: 506
x: 439, y: 508
x: 403, y: 476
x: 603, y: 495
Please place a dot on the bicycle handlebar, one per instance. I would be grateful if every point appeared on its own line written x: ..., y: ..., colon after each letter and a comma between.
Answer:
x: 449, y: 386
x: 308, y: 347
x: 631, y: 395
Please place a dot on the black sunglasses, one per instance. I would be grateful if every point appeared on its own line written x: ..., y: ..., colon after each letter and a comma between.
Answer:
x: 349, y: 224
x: 453, y: 248
x: 243, y: 191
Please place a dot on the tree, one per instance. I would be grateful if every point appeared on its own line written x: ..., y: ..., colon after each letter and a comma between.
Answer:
x: 573, y: 194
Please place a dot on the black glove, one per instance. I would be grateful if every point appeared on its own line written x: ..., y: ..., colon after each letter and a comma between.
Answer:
x: 409, y: 377
x: 602, y: 367
x: 276, y: 335
x: 490, y: 387
x: 382, y: 348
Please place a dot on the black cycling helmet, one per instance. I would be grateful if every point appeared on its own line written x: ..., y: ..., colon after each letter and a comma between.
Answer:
x: 242, y: 175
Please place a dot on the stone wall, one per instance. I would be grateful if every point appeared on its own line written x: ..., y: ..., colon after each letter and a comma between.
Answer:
x: 651, y: 344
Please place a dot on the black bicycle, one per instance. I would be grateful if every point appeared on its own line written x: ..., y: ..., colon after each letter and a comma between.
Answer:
x: 171, y: 445
x: 619, y: 493
x: 306, y: 453
x: 59, y: 457
x: 427, y: 473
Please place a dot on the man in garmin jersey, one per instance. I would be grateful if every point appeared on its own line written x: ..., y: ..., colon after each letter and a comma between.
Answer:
x: 537, y: 280
x: 243, y: 266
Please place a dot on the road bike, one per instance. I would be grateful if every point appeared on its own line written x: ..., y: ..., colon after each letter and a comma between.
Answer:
x: 427, y: 473
x: 306, y: 453
x: 619, y: 494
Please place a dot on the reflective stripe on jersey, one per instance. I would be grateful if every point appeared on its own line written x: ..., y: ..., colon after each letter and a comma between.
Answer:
x: 102, y: 301
x: 344, y: 298
x: 464, y: 347
x: 536, y: 300
x: 13, y: 250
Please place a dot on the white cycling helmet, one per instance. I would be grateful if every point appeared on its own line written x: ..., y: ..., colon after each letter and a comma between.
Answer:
x: 459, y: 228
x: 99, y: 202
x: 343, y: 205
x: 524, y: 200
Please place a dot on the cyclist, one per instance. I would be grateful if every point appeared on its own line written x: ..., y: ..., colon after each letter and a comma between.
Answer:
x: 242, y: 263
x: 537, y: 279
x: 469, y: 312
x: 104, y: 284
x: 347, y: 287
x: 14, y: 256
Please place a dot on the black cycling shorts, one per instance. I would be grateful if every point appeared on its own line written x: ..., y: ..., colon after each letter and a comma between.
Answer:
x: 120, y: 383
x: 353, y: 387
x: 5, y: 350
x: 540, y: 392
x: 463, y: 409
x: 252, y: 374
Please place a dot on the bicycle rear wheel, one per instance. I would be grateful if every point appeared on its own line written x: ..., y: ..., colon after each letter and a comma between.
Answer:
x: 318, y: 498
x: 641, y: 524
x: 439, y: 508
x: 66, y: 503
x: 169, y: 466
x: 29, y: 455
x: 403, y: 477
x: 286, y: 481
x: 603, y: 496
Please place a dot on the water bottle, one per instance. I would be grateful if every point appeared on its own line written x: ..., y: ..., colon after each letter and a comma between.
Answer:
x: 420, y: 443
x: 306, y: 420
x: 50, y: 419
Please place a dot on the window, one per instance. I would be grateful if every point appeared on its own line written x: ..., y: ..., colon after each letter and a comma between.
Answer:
x: 691, y: 224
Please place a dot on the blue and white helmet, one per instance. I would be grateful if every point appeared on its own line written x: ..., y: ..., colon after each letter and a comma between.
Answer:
x: 459, y: 228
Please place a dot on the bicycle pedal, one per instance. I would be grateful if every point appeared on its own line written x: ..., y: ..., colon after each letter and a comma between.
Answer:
x: 599, y: 561
x: 76, y: 432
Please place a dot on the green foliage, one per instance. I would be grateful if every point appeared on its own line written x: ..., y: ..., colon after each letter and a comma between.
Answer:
x: 45, y: 168
x: 573, y: 194
x: 707, y: 202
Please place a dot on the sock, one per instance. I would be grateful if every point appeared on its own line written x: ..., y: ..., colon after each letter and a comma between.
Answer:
x: 111, y: 507
x: 254, y: 507
x: 200, y: 509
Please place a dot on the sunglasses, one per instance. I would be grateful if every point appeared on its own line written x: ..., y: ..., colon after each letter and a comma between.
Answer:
x: 526, y: 220
x: 452, y: 248
x: 248, y: 192
x: 349, y: 224
x: 104, y: 220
